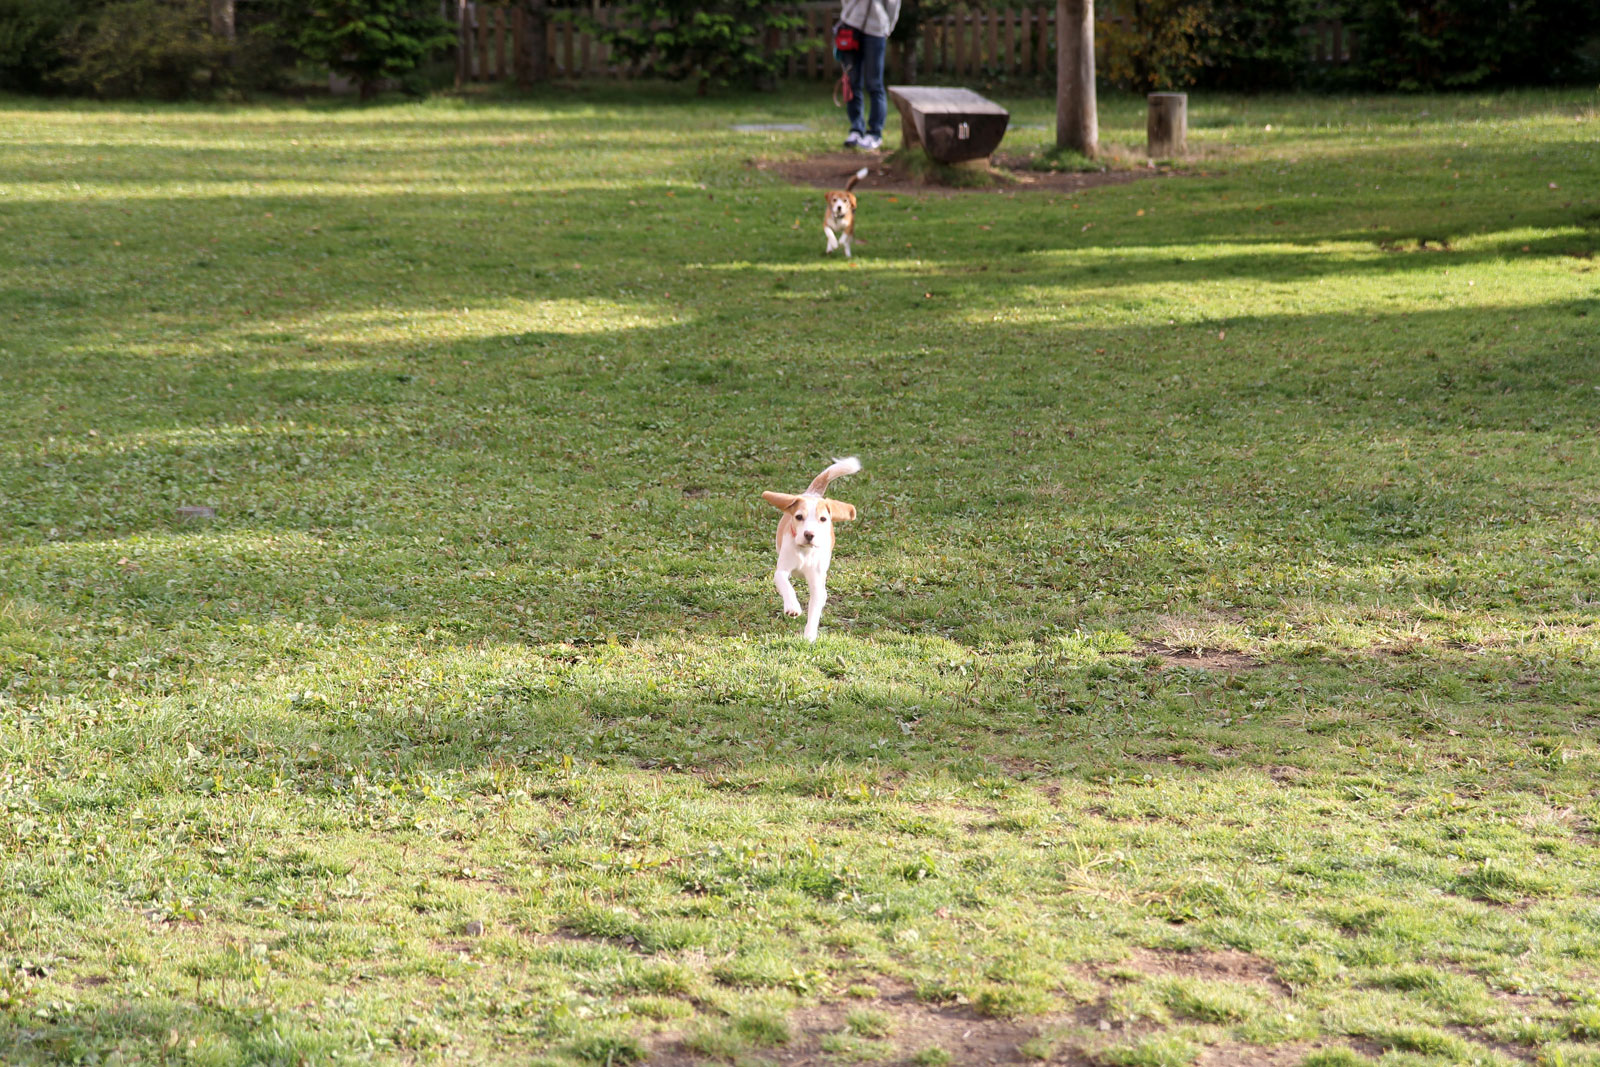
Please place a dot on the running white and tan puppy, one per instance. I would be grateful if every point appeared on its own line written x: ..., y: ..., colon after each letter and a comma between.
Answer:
x: 839, y: 216
x: 805, y: 540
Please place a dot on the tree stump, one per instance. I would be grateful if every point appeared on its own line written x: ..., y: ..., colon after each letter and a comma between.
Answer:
x: 1167, y: 126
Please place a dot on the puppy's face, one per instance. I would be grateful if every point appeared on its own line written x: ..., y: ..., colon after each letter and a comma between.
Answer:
x: 841, y: 206
x: 808, y: 520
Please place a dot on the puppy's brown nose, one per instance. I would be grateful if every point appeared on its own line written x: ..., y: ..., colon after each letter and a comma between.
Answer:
x: 809, y: 535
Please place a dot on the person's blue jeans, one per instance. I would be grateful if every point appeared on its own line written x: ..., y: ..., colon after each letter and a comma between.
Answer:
x: 866, y: 80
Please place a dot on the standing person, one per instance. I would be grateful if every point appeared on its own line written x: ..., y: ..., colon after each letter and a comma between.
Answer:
x: 873, y: 21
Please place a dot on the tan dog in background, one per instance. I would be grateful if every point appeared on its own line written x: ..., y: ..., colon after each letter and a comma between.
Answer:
x: 805, y: 539
x: 839, y: 219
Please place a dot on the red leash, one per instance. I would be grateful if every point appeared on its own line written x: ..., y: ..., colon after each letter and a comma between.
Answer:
x: 842, y: 93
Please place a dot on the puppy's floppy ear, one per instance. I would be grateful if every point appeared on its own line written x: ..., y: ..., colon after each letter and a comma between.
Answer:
x: 852, y: 197
x: 840, y: 510
x: 781, y: 501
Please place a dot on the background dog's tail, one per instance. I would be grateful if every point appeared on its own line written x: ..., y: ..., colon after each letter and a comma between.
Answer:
x: 840, y: 467
x: 849, y: 185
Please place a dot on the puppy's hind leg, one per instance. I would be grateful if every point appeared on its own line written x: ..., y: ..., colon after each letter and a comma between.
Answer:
x: 817, y: 587
x: 791, y: 603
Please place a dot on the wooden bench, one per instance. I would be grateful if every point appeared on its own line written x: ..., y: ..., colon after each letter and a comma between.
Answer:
x: 951, y: 125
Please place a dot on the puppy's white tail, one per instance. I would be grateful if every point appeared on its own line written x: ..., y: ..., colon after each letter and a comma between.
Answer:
x: 839, y: 468
x: 851, y: 184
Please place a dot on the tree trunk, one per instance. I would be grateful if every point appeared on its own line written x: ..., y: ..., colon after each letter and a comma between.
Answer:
x: 222, y: 19
x: 463, y: 59
x: 534, y: 63
x: 1077, y: 121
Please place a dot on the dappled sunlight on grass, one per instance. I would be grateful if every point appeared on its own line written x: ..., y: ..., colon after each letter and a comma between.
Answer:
x: 508, y: 319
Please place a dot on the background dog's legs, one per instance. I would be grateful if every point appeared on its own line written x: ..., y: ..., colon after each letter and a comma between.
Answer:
x: 833, y: 242
x: 791, y: 603
x: 818, y: 589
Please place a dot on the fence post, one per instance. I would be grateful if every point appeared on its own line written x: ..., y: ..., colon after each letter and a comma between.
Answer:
x: 952, y: 43
x: 538, y: 48
x: 502, y: 59
x: 1011, y: 42
x: 994, y: 37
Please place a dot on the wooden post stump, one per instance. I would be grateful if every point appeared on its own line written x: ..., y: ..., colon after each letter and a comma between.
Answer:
x: 1167, y: 126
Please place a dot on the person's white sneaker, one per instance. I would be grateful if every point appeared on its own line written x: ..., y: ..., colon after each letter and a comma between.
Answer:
x: 869, y: 142
x: 853, y: 141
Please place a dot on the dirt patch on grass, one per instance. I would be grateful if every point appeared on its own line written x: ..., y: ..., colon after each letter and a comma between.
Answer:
x: 832, y: 169
x: 906, y: 1026
x: 1228, y: 965
x: 823, y: 1035
x: 911, y: 1026
x: 1507, y: 1049
x: 1205, y: 659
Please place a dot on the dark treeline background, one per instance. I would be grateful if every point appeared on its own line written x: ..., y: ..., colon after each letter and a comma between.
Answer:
x: 205, y: 48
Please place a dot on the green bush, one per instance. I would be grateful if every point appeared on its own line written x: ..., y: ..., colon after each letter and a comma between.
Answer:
x: 1157, y: 45
x: 1256, y: 47
x: 710, y: 42
x: 158, y: 48
x: 1451, y: 44
x: 368, y: 41
x: 30, y: 39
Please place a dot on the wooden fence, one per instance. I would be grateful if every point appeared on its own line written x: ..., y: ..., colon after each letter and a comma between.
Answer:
x: 1329, y: 43
x: 1014, y: 42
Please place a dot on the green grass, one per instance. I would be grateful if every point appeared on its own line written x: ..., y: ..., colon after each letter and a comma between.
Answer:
x: 1064, y: 159
x: 470, y: 729
x: 924, y: 170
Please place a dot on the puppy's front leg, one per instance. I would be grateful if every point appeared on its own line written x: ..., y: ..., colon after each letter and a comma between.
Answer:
x: 791, y: 603
x: 833, y: 242
x: 845, y: 240
x: 817, y: 587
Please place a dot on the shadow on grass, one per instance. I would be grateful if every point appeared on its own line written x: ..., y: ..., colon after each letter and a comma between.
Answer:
x: 529, y: 493
x: 210, y: 1032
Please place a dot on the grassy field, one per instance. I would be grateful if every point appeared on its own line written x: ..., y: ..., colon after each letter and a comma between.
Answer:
x: 1211, y: 676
